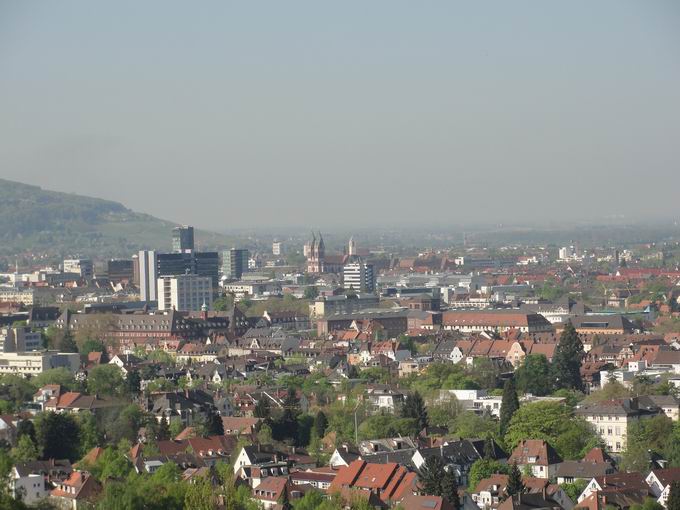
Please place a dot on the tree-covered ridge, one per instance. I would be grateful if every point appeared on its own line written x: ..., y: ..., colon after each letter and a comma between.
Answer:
x: 66, y: 224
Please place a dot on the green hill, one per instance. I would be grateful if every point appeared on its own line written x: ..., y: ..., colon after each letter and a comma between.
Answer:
x: 37, y: 221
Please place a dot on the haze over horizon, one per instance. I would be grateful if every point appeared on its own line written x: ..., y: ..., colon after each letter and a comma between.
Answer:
x: 232, y: 115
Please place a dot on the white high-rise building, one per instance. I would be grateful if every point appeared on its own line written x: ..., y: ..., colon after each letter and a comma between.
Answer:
x: 148, y: 275
x: 185, y: 293
x: 277, y: 248
x: 359, y: 276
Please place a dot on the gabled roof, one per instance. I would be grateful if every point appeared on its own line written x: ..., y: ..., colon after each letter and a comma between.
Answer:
x: 534, y: 448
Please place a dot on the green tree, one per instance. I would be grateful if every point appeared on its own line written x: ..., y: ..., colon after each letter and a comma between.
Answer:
x: 574, y: 489
x: 105, y: 380
x: 553, y: 422
x: 431, y: 476
x: 534, y: 375
x: 262, y: 409
x: 509, y: 405
x: 61, y: 376
x: 200, y: 495
x: 673, y: 502
x: 414, y: 407
x: 470, y: 425
x: 264, y: 435
x: 67, y: 343
x: 567, y: 360
x: 25, y: 450
x: 320, y: 424
x: 515, y: 484
x: 90, y: 435
x: 484, y: 468
x: 449, y: 489
x: 58, y: 436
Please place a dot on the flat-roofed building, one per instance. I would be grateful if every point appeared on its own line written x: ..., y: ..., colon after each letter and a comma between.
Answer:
x: 185, y: 293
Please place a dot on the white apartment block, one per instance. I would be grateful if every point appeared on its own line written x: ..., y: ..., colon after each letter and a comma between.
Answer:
x: 358, y: 276
x: 35, y: 363
x: 185, y: 293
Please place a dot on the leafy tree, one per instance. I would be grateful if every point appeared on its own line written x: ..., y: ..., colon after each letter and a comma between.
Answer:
x: 509, y: 405
x: 553, y: 422
x: 25, y: 450
x: 90, y: 435
x: 320, y: 424
x: 134, y: 380
x: 443, y: 413
x: 26, y: 428
x: 58, y: 436
x: 303, y: 433
x: 648, y: 504
x: 92, y: 345
x: 14, y: 391
x: 673, y: 502
x: 431, y: 476
x: 113, y: 463
x: 215, y: 427
x: 567, y: 360
x: 199, y: 495
x: 484, y: 468
x: 264, y: 435
x: 414, y: 407
x: 469, y: 425
x: 105, y: 380
x: 515, y: 484
x: 574, y: 489
x: 534, y: 375
x: 449, y: 489
x: 311, y: 292
x: 123, y: 423
x: 262, y: 409
x: 68, y: 343
x: 61, y: 376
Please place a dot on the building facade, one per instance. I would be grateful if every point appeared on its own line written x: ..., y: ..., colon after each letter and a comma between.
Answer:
x: 148, y: 275
x: 182, y: 239
x: 185, y: 293
x: 234, y: 263
x: 359, y: 275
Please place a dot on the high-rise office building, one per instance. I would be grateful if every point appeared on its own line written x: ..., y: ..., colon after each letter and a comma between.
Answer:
x: 359, y: 276
x: 234, y: 263
x: 182, y: 239
x: 277, y: 248
x: 198, y: 263
x: 148, y: 274
x: 185, y: 293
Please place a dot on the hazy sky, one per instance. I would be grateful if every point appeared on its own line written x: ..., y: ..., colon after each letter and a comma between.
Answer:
x: 225, y: 114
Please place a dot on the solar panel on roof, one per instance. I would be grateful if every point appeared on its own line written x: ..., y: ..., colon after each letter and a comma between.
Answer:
x: 429, y: 503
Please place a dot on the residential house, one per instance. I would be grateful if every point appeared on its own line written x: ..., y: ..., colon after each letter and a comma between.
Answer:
x: 536, y: 455
x: 611, y: 418
x: 660, y: 480
x: 77, y: 491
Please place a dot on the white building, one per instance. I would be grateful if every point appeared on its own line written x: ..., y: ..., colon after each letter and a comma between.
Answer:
x: 19, y: 340
x: 185, y: 293
x: 277, y: 248
x: 358, y: 276
x: 148, y: 275
x: 27, y: 485
x: 83, y: 267
x: 35, y: 363
x: 17, y: 295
